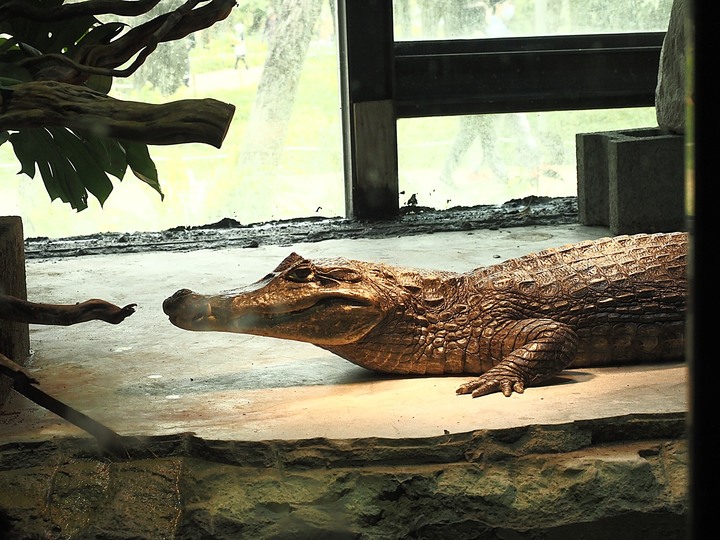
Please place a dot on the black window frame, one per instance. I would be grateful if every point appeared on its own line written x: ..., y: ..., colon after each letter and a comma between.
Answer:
x: 383, y: 80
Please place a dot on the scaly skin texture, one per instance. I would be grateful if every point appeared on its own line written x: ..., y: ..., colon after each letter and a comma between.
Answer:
x: 595, y: 303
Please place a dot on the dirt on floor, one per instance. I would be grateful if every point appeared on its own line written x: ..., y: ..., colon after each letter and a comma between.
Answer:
x: 413, y: 220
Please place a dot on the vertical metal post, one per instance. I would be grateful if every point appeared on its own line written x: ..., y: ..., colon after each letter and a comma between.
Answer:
x: 365, y: 32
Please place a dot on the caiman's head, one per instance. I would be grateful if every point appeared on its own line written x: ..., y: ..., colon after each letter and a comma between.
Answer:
x: 325, y: 303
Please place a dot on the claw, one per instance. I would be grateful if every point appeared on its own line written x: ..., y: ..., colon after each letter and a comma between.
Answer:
x: 483, y: 386
x: 465, y: 388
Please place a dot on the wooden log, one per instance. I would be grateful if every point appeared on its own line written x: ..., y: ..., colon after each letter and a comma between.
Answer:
x: 14, y: 8
x: 50, y: 103
x: 24, y: 383
x: 14, y: 336
x: 14, y: 309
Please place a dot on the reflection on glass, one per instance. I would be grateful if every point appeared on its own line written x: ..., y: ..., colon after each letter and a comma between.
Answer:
x: 276, y: 61
x: 490, y: 159
x: 464, y: 19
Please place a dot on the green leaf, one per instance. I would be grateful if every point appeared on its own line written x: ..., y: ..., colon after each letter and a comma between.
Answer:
x: 69, y: 167
x: 142, y: 165
x: 6, y: 43
x: 60, y: 178
x: 73, y: 164
x: 89, y: 171
x: 108, y: 152
x: 49, y: 36
x: 22, y: 142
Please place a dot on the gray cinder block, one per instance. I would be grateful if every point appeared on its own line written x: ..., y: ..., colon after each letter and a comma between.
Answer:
x: 631, y: 181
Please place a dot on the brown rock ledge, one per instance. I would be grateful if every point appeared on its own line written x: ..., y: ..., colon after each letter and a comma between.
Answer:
x: 623, y: 477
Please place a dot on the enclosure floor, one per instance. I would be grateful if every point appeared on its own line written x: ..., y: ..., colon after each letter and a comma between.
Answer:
x: 146, y: 377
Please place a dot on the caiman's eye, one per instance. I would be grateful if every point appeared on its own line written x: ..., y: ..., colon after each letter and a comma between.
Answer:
x: 302, y: 274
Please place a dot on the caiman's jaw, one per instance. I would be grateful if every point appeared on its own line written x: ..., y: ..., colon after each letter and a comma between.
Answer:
x: 299, y: 301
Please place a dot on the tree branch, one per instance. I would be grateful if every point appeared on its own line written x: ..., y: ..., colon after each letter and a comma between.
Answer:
x: 24, y: 383
x: 133, y: 8
x: 50, y: 103
x: 103, y: 58
x: 184, y: 22
x: 14, y: 309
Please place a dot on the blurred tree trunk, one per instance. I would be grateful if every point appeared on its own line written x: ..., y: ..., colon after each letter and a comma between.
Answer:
x: 288, y: 42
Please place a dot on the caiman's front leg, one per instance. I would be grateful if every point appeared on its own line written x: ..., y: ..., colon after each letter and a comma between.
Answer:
x: 530, y: 351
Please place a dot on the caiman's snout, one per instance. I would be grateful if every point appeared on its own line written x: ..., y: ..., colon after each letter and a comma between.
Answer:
x: 299, y: 300
x: 189, y: 310
x: 171, y: 303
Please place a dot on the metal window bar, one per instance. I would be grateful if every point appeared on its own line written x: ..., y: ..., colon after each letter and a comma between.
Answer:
x: 385, y: 80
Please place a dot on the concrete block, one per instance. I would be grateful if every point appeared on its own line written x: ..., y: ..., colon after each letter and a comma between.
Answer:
x: 14, y: 337
x: 592, y: 178
x: 631, y: 181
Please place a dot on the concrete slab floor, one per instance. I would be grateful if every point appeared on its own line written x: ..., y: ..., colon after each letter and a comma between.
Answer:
x: 146, y: 377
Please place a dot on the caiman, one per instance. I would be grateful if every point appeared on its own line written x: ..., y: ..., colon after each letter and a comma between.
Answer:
x: 517, y: 323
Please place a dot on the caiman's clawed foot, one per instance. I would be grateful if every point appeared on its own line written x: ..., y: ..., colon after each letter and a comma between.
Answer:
x: 489, y: 384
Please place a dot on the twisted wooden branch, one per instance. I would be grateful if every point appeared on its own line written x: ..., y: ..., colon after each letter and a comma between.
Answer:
x: 104, y: 58
x: 14, y: 309
x: 172, y: 26
x: 24, y: 383
x: 14, y: 8
x: 57, y: 97
x: 50, y: 103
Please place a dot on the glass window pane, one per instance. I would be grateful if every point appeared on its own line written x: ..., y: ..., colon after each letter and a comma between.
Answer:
x: 282, y: 156
x: 461, y: 19
x: 490, y: 159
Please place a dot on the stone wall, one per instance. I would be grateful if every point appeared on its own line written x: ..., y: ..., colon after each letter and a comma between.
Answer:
x: 620, y: 478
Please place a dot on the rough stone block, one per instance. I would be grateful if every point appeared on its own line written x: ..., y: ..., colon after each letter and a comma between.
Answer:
x: 670, y: 92
x: 623, y: 478
x: 14, y: 337
x: 631, y: 181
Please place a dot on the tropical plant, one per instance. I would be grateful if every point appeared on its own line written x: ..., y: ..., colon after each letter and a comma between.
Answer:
x: 58, y: 61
